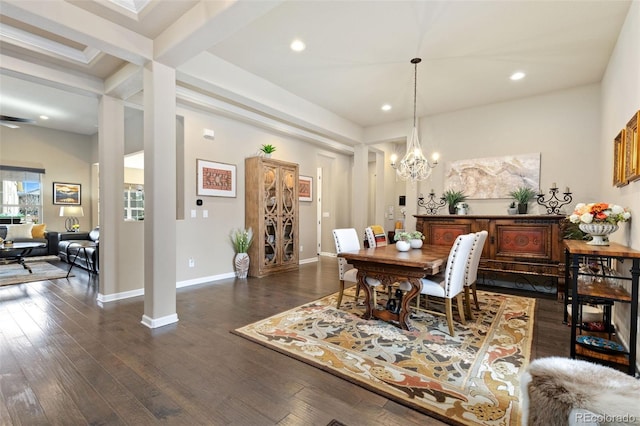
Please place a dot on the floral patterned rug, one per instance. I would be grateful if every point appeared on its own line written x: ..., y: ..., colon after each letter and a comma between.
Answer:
x: 469, y: 379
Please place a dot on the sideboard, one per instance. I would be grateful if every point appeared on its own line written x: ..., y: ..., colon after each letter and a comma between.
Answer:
x: 524, y: 245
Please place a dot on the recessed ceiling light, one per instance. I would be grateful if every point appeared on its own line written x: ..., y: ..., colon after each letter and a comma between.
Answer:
x: 44, y: 117
x: 517, y: 76
x: 386, y: 107
x: 297, y: 45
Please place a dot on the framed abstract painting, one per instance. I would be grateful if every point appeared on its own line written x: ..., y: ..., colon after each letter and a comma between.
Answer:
x: 215, y: 179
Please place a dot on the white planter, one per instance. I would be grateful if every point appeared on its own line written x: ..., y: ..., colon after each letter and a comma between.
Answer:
x: 598, y: 232
x: 415, y: 244
x: 241, y: 262
x: 403, y: 246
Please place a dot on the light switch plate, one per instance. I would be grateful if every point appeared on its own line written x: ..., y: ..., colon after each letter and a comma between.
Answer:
x: 193, y: 214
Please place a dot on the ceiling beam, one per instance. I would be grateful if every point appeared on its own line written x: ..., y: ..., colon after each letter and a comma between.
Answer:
x: 82, y: 84
x: 71, y: 22
x: 125, y: 82
x: 204, y: 25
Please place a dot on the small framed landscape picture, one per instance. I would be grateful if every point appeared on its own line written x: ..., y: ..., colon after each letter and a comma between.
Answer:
x: 67, y: 194
x: 305, y: 188
x: 619, y: 159
x: 632, y: 149
x: 215, y: 179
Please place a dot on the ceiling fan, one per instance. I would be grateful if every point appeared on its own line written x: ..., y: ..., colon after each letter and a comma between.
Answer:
x: 8, y: 121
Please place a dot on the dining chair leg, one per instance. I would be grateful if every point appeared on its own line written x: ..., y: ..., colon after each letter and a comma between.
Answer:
x: 475, y: 295
x: 467, y: 303
x: 461, y: 308
x: 449, y: 312
x: 340, y: 294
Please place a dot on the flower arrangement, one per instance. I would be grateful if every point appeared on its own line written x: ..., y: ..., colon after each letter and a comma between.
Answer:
x: 403, y: 236
x: 75, y: 227
x: 241, y: 239
x: 599, y: 213
x: 417, y: 235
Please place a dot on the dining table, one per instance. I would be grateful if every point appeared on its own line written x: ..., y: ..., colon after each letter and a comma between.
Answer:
x: 389, y: 266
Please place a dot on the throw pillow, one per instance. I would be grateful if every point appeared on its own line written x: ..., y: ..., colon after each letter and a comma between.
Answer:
x: 38, y: 230
x: 19, y: 231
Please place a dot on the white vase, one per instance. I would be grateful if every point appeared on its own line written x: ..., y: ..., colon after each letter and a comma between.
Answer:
x: 415, y: 243
x: 241, y: 263
x: 403, y: 246
x: 598, y: 232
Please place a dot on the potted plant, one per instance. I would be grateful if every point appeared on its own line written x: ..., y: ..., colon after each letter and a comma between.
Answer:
x: 453, y: 197
x: 402, y: 240
x: 522, y: 195
x: 241, y: 240
x: 416, y: 238
x: 512, y: 209
x: 267, y: 149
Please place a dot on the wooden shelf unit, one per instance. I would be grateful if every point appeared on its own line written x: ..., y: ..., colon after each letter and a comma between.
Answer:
x: 271, y: 209
x: 583, y: 290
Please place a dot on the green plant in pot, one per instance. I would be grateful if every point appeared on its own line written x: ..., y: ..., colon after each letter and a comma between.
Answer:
x: 267, y: 149
x: 453, y: 197
x: 522, y: 195
x: 241, y: 240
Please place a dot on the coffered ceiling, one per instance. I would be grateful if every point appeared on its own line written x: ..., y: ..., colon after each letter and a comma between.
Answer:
x: 57, y: 57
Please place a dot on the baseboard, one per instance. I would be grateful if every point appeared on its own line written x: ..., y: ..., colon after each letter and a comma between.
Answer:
x: 159, y: 322
x: 309, y: 260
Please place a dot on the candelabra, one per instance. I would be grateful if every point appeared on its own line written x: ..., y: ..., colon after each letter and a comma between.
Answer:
x: 431, y: 206
x: 554, y: 204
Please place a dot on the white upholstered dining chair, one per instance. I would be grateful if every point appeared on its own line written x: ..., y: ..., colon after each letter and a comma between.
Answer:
x: 347, y: 239
x: 450, y: 283
x: 471, y: 275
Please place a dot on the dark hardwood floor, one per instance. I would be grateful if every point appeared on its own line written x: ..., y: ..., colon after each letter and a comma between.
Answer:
x: 66, y: 361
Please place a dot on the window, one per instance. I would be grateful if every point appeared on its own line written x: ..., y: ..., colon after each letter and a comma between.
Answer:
x: 20, y: 194
x: 133, y: 202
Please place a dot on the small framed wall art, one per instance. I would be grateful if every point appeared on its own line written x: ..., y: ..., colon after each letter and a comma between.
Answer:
x: 305, y: 188
x: 632, y: 149
x: 67, y: 194
x: 215, y: 179
x: 619, y: 159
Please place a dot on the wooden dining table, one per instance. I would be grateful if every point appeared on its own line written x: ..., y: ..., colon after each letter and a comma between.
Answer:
x: 388, y: 265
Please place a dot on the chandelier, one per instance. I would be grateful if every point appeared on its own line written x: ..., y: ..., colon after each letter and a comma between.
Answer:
x: 414, y: 166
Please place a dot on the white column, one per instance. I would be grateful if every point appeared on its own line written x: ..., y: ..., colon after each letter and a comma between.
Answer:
x: 160, y: 195
x: 111, y: 175
x: 360, y: 187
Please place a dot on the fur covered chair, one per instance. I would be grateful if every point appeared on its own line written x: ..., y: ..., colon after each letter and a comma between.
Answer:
x: 562, y: 391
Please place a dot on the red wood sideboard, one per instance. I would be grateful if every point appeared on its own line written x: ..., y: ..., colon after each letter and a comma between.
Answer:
x: 517, y: 244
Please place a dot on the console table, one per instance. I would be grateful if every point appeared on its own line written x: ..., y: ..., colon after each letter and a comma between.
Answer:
x: 584, y: 290
x: 525, y: 245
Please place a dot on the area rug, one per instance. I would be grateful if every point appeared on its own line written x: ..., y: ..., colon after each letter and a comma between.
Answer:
x: 44, y: 258
x: 469, y: 379
x: 16, y: 274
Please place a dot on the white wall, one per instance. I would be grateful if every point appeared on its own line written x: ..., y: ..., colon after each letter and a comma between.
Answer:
x: 206, y: 240
x: 562, y: 126
x: 620, y: 100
